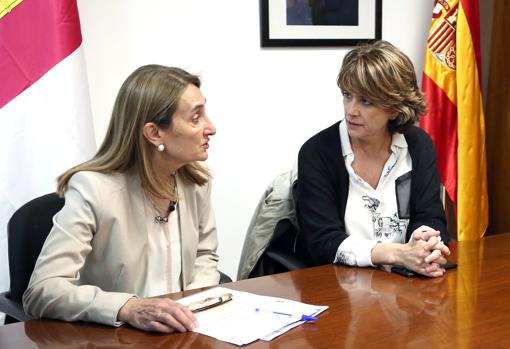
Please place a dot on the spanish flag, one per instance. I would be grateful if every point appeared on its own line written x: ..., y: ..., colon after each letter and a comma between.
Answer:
x: 45, y: 115
x: 455, y: 119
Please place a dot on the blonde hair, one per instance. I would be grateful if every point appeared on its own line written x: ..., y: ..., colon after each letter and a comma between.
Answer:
x: 385, y: 76
x: 150, y: 94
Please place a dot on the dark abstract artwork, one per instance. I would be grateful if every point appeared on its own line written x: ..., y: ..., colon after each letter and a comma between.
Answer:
x: 301, y: 23
x: 322, y: 12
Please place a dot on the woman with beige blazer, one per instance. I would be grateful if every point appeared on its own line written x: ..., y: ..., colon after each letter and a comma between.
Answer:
x: 137, y: 220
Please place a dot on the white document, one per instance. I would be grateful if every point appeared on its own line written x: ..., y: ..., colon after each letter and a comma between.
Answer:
x: 248, y: 317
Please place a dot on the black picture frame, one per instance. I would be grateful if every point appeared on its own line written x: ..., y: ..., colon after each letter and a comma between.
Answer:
x: 318, y: 35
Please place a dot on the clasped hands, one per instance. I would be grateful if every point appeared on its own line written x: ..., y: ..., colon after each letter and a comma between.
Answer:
x: 425, y: 252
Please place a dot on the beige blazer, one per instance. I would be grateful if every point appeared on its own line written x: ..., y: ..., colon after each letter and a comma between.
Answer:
x: 95, y: 257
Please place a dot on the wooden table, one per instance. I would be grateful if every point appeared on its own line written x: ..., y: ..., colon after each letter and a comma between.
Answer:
x: 369, y: 308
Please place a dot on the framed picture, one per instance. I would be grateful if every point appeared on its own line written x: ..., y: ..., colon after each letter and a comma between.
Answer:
x: 286, y: 23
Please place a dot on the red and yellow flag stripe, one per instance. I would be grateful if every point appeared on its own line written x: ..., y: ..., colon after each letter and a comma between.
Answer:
x: 472, y: 196
x: 455, y: 119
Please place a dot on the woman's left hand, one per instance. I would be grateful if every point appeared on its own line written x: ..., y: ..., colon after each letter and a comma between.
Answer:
x: 439, y: 250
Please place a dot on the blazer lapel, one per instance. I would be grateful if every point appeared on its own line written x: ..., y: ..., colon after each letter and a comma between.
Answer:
x: 185, y: 223
x: 137, y: 224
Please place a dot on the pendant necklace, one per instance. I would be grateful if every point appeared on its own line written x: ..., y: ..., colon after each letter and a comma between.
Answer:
x: 171, y: 207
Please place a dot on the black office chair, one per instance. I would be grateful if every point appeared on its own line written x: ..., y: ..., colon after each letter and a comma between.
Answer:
x: 26, y: 232
x: 280, y: 255
x: 270, y: 242
x: 224, y: 278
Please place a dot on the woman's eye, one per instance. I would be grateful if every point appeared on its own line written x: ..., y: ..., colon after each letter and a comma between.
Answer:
x: 365, y: 101
x: 346, y: 94
x: 195, y: 119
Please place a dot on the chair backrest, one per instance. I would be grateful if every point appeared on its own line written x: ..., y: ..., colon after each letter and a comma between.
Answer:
x: 269, y: 244
x: 26, y: 232
x: 280, y: 254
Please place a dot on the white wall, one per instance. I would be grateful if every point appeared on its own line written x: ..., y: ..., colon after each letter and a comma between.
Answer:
x: 265, y: 102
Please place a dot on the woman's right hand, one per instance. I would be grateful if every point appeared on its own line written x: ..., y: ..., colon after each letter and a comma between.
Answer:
x: 158, y: 315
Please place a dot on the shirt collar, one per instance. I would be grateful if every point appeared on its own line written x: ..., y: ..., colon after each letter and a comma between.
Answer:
x: 398, y: 141
x: 344, y: 139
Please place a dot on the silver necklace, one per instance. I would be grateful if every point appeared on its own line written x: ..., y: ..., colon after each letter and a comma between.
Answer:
x: 164, y: 219
x: 171, y: 207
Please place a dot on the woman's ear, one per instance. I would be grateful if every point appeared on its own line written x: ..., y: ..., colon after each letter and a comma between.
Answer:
x: 151, y: 133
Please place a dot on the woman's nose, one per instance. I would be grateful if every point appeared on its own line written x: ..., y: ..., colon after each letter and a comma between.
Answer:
x: 210, y: 129
x: 352, y: 108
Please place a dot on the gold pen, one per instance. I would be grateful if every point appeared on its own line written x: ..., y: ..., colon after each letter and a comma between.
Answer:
x: 209, y: 302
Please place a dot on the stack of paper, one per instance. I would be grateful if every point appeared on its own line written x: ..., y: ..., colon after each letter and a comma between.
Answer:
x: 248, y: 317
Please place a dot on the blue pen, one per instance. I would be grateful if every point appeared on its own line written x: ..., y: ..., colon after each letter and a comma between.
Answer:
x: 303, y: 317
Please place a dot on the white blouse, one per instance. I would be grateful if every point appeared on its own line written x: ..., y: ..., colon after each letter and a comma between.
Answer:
x: 164, y: 254
x: 371, y: 215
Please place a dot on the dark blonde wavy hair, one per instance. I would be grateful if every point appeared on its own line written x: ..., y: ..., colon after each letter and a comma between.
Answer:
x: 150, y: 94
x: 385, y: 76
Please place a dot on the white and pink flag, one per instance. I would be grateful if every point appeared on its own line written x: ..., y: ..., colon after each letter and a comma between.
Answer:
x: 45, y: 117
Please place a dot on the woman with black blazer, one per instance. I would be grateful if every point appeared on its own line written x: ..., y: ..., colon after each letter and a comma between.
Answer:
x: 368, y: 186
